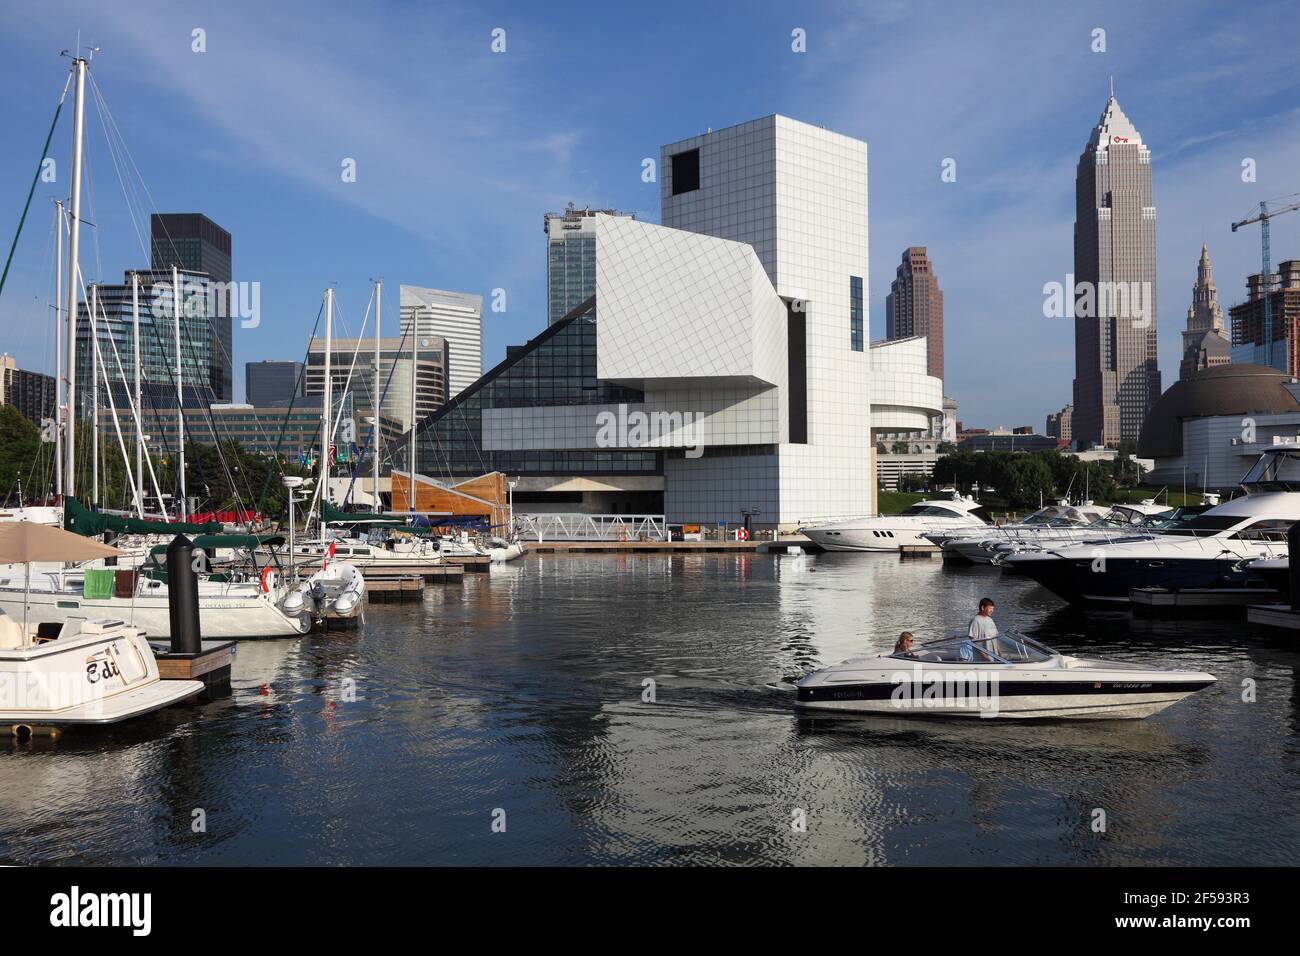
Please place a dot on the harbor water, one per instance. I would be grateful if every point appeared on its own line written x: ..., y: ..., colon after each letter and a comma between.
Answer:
x: 611, y: 709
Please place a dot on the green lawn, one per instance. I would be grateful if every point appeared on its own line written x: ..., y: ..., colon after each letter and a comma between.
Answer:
x: 892, y: 502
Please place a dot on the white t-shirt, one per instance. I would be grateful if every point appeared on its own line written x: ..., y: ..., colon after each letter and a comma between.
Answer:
x: 982, y: 627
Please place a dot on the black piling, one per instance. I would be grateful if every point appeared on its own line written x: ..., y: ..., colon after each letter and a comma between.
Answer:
x: 183, y: 597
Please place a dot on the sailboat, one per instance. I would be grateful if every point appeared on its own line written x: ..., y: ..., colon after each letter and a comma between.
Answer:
x: 55, y: 593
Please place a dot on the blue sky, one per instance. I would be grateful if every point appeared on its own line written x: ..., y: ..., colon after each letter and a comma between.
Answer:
x: 460, y: 151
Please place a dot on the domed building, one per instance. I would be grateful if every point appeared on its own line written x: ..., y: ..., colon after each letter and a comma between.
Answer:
x: 1207, y: 429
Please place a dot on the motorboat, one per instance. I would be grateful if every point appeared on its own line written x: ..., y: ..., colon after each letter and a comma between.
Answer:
x: 908, y: 528
x: 1055, y: 522
x: 337, y: 591
x: 1216, y: 549
x: 88, y: 671
x: 1276, y: 573
x: 1010, y: 675
x: 501, y: 550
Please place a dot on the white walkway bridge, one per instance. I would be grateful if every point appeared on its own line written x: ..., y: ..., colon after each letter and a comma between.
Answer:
x: 586, y: 527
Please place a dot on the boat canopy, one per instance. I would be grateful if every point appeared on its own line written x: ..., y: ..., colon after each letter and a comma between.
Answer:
x: 77, y: 517
x: 212, y: 541
x: 331, y: 515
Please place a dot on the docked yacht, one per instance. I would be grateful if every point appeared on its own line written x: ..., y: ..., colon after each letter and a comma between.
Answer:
x: 1005, y: 676
x: 1055, y: 520
x: 89, y: 671
x: 1214, y: 549
x: 908, y: 528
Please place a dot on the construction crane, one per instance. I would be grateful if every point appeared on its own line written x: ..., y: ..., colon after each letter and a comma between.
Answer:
x: 1266, y: 275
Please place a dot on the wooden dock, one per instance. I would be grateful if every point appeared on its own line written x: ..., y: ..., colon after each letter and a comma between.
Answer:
x: 211, y: 665
x: 429, y: 573
x: 918, y: 550
x: 1274, y: 615
x: 1199, y: 600
x: 396, y: 589
x: 658, y: 547
x: 479, y: 563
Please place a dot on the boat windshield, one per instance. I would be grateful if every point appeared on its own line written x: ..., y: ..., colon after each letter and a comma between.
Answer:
x: 1277, y: 469
x: 1206, y: 525
x: 1006, y: 648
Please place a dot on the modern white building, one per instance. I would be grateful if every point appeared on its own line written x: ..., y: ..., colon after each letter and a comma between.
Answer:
x: 723, y: 352
x: 454, y: 316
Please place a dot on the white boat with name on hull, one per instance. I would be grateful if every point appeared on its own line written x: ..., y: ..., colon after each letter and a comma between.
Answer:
x: 1009, y: 676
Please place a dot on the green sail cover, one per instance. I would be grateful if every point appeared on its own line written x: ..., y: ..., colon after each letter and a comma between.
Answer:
x: 331, y: 515
x: 77, y: 517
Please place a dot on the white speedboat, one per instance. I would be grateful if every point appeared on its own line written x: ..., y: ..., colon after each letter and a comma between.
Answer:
x: 1055, y: 522
x: 93, y: 671
x: 908, y: 528
x: 1005, y: 676
x: 1215, y: 549
x: 500, y: 550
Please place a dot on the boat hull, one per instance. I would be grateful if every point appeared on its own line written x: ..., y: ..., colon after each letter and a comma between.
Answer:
x: 229, y: 618
x: 1089, y: 580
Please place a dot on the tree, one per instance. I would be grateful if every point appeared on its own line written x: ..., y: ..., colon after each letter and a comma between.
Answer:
x: 22, y: 454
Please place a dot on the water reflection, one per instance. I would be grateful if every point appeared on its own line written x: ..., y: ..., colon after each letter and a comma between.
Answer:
x: 529, y: 689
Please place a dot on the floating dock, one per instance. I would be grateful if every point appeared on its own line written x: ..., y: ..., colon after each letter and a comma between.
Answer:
x: 1274, y: 615
x: 211, y: 665
x: 1202, y: 600
x: 431, y: 573
x: 918, y: 550
x: 396, y: 589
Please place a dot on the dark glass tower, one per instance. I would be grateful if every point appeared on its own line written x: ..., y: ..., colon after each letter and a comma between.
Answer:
x: 192, y: 241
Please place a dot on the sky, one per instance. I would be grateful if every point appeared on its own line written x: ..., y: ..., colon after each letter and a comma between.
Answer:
x: 460, y: 150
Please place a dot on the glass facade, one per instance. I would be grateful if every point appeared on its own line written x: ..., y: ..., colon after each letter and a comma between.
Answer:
x: 556, y: 368
x: 856, y: 334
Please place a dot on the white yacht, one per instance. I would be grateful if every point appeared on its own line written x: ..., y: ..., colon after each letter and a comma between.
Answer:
x: 1005, y: 676
x: 909, y: 527
x: 1214, y: 549
x: 1050, y: 522
x: 93, y: 671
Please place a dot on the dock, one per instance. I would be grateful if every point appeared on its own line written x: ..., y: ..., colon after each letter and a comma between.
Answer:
x: 479, y: 563
x: 1274, y: 615
x: 396, y: 590
x: 429, y: 573
x: 211, y: 665
x: 1202, y: 600
x: 918, y: 550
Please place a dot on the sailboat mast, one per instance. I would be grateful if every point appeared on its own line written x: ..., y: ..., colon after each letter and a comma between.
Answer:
x: 374, y: 486
x: 74, y: 244
x: 58, y: 349
x: 94, y: 393
x: 327, y: 401
x: 139, y: 409
x: 415, y: 336
x: 180, y: 404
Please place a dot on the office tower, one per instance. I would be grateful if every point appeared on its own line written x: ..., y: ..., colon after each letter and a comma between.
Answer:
x: 115, y: 329
x: 914, y: 306
x: 454, y: 316
x: 394, y: 375
x: 271, y: 382
x: 193, y: 242
x: 1205, y: 340
x: 571, y: 258
x: 1116, y: 378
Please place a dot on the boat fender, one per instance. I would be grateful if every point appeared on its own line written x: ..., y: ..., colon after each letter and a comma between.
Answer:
x: 268, y: 579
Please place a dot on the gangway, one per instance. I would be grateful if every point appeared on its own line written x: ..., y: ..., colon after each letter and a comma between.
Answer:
x: 564, y: 526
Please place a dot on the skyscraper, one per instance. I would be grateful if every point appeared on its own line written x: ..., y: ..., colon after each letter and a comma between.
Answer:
x: 193, y: 242
x: 454, y: 316
x: 269, y: 382
x: 571, y: 258
x: 914, y: 306
x: 1205, y: 340
x: 1116, y: 378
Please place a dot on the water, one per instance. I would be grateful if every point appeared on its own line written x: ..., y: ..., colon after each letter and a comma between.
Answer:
x: 521, y: 691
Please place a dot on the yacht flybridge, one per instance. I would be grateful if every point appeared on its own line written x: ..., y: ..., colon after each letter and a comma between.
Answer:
x: 908, y: 528
x: 1214, y: 549
x: 1006, y: 676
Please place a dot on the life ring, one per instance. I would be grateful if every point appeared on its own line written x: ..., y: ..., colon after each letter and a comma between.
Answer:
x: 268, y: 579
x: 742, y: 535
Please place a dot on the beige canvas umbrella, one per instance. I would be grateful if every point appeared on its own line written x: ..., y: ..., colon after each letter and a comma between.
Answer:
x: 22, y: 542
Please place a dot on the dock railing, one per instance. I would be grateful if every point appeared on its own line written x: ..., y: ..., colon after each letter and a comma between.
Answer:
x: 563, y: 526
